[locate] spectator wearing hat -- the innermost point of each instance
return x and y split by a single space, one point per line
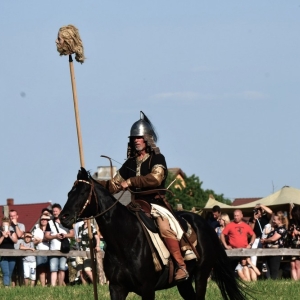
41 243
47 212
29 263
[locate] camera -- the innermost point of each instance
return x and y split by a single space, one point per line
293 227
255 210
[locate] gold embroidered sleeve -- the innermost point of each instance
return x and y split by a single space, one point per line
154 179
158 172
113 185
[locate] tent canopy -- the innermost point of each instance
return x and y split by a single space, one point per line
279 200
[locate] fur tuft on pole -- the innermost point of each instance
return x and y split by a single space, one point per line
69 42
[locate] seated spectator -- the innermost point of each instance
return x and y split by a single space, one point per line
84 263
223 221
41 243
8 238
276 239
29 264
246 270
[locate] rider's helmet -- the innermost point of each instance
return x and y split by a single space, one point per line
143 127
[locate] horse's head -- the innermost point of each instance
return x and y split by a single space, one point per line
79 198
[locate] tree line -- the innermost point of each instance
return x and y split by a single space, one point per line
190 193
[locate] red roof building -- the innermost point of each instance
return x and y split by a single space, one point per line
29 214
241 201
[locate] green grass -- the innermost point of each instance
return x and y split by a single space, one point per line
263 289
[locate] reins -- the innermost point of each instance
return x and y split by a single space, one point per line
93 193
88 201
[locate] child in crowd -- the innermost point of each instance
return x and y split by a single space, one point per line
29 263
246 270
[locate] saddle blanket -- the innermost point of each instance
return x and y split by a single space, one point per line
159 211
162 250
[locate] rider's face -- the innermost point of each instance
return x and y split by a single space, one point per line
139 143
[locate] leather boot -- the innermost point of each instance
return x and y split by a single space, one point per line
173 247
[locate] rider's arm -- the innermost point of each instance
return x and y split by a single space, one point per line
154 179
113 185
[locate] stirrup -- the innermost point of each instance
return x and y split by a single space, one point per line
183 278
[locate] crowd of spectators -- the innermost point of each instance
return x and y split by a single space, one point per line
264 229
46 235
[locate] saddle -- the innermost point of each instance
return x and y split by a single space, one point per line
142 210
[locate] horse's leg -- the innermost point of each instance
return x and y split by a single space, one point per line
186 290
201 275
148 291
149 295
117 292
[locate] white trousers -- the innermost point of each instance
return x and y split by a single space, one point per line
256 244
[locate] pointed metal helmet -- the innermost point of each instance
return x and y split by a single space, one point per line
143 127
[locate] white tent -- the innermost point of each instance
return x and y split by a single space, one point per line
279 200
285 196
212 202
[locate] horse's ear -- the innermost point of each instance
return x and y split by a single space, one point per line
78 174
82 174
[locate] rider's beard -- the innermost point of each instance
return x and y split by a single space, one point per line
139 148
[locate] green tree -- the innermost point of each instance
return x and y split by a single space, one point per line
190 195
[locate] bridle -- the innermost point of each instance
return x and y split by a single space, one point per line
89 199
91 193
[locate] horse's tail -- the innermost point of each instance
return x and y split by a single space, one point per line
223 274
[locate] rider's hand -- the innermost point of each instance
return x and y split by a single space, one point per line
124 185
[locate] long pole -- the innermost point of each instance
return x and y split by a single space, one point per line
75 100
80 146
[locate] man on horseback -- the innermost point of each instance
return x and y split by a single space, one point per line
144 171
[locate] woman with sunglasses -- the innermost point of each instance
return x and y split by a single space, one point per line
42 263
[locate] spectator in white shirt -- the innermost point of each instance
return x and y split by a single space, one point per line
41 243
55 232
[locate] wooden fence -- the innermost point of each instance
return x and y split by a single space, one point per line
241 252
72 253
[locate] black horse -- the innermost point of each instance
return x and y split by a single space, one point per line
128 261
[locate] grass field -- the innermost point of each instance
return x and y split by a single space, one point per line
266 290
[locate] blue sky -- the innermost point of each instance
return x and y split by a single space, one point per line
218 79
